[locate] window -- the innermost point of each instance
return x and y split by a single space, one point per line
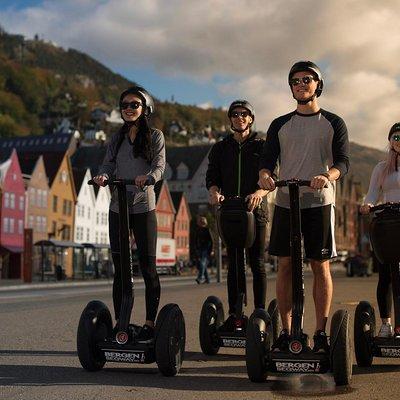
20 226
6 200
11 225
44 199
55 200
44 224
54 228
39 224
88 213
97 219
87 234
12 200
39 198
83 211
30 221
66 232
64 210
21 203
6 225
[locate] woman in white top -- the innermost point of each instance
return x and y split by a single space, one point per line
385 183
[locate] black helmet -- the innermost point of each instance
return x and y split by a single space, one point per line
241 103
393 129
308 66
148 103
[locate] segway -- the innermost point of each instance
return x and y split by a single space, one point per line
299 358
97 342
236 226
384 236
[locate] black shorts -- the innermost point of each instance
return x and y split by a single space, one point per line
317 226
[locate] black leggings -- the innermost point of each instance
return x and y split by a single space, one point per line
388 288
144 228
256 261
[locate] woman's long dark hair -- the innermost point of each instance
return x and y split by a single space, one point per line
142 143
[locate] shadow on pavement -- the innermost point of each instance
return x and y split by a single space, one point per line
38 353
375 369
34 375
197 356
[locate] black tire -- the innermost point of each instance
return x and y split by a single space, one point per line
94 326
170 338
364 333
341 352
258 345
273 312
211 318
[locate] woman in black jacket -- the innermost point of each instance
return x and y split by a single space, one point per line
233 171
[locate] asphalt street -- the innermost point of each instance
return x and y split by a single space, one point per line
38 357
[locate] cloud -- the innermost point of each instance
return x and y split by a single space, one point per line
250 43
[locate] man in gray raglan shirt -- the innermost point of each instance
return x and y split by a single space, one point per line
310 144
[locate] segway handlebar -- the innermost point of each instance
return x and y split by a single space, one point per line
119 182
299 182
386 206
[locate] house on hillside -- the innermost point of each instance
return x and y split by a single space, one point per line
181 225
12 215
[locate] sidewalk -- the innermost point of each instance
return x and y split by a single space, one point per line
17 284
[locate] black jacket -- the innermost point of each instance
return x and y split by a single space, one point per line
233 167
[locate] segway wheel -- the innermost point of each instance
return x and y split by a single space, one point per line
170 338
273 312
258 345
95 325
364 333
341 352
211 318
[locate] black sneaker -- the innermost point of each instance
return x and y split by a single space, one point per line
320 342
146 335
229 325
282 342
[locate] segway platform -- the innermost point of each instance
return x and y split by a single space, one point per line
305 362
386 347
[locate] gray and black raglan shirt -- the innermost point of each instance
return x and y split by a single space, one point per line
306 145
126 166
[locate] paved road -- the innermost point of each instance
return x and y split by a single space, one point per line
38 353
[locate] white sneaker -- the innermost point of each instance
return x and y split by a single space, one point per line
386 330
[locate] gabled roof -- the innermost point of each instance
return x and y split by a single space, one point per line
157 189
28 163
89 157
191 156
38 143
177 198
79 176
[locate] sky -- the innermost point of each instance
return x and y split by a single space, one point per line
211 52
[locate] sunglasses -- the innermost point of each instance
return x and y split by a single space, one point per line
237 114
134 105
396 138
305 79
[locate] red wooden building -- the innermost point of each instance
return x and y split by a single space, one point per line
12 216
165 210
181 225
